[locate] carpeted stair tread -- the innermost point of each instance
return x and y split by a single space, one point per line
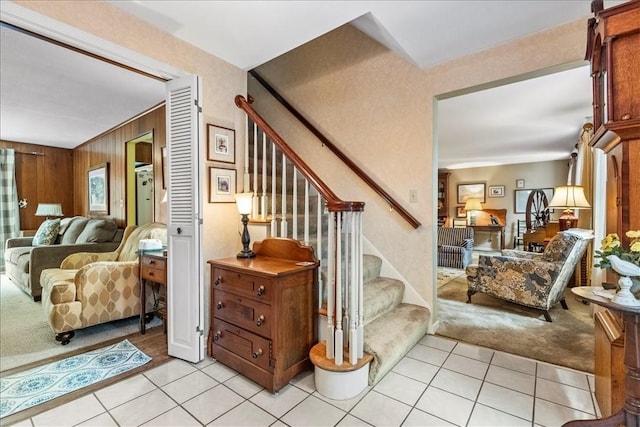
371 266
381 295
392 335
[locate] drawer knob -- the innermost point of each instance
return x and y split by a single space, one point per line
217 335
261 290
218 281
219 305
260 320
151 261
257 353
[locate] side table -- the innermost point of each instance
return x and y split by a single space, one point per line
153 268
629 415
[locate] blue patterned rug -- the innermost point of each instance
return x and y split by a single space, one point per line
38 385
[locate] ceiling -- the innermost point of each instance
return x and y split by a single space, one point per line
54 96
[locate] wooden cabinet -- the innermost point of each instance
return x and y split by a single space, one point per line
609 367
153 270
262 312
612 48
443 190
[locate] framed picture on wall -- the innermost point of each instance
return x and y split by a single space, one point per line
496 191
222 185
221 144
522 196
471 191
164 167
98 189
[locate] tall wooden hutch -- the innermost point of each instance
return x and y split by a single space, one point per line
613 48
443 196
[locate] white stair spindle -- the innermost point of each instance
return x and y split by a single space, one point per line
255 207
354 343
360 289
274 228
263 199
331 287
306 213
283 209
339 340
294 204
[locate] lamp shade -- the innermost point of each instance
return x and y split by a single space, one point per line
569 197
49 209
244 202
473 205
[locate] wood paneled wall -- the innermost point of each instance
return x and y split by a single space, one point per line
46 177
111 147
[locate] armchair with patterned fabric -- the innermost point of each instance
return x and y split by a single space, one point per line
93 288
536 280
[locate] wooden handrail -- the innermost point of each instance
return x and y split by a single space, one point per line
334 203
395 205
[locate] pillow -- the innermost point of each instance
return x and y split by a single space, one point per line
47 232
97 231
74 228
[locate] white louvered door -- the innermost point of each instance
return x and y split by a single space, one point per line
184 203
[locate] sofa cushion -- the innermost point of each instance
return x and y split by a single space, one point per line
47 232
97 231
73 230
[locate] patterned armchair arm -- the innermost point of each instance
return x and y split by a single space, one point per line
108 289
80 259
523 281
467 244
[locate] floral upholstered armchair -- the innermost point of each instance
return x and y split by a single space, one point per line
536 280
92 288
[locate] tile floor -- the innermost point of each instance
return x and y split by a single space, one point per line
441 382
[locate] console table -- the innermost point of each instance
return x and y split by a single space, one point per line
491 228
629 415
153 268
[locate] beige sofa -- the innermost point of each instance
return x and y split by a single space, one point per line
24 262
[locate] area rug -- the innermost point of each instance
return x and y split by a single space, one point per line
446 274
27 337
512 328
38 385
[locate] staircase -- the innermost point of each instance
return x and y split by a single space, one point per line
365 328
391 327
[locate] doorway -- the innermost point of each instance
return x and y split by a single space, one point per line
140 187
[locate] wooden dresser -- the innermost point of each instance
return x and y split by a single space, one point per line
262 312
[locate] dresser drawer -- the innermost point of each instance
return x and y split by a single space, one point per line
245 344
153 274
158 263
244 312
250 286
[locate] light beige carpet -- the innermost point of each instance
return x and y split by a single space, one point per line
26 337
501 325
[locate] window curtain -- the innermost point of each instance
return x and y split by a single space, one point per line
9 215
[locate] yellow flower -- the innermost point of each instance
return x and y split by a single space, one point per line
635 247
633 234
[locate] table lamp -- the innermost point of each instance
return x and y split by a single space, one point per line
244 203
471 206
568 197
49 209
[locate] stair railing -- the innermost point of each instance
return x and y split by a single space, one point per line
393 203
278 174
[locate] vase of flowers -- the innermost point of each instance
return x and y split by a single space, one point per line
611 245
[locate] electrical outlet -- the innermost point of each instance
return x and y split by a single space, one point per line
413 196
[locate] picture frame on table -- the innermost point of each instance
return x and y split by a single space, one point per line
522 196
496 191
221 144
98 189
461 212
472 191
222 185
